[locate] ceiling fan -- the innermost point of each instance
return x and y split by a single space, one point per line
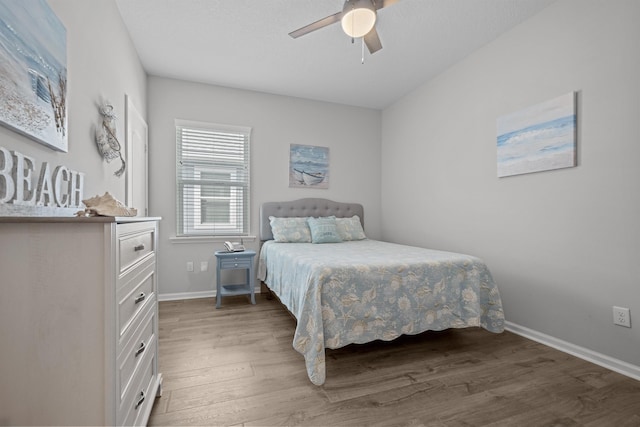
358 18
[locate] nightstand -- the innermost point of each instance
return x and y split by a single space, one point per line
235 261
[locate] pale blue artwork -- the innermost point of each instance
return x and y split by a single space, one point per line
33 72
538 138
308 166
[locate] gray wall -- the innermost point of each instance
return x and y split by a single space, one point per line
352 135
101 65
563 245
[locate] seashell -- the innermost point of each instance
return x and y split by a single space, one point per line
105 205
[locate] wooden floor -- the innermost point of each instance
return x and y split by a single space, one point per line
236 366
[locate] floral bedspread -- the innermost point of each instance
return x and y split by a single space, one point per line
361 291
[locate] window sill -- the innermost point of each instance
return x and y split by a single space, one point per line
210 239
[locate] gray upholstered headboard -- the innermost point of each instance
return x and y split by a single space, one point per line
305 207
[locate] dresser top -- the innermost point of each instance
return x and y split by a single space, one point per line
76 219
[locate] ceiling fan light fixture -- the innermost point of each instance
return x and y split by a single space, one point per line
358 17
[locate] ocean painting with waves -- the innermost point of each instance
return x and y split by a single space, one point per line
33 72
539 138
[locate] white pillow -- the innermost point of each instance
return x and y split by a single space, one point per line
350 228
290 230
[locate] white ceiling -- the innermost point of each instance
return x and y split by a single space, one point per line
245 44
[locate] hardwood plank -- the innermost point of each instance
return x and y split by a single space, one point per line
237 366
175 380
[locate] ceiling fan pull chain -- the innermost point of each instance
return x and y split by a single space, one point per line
362 49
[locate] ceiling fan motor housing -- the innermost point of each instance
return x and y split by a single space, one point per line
358 17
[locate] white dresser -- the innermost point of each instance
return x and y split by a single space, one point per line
78 321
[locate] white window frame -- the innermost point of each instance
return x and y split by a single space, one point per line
188 175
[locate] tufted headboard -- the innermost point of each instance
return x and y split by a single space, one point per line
305 207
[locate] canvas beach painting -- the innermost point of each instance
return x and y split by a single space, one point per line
33 72
308 166
539 138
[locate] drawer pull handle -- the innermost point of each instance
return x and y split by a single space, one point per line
139 247
139 402
140 298
140 349
236 264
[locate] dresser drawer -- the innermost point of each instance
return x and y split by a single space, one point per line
135 242
235 263
137 290
139 397
134 351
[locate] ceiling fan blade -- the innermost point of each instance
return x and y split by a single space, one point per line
372 41
379 4
331 19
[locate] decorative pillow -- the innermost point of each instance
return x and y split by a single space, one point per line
350 228
290 230
324 230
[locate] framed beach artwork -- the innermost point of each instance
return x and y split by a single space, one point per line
308 166
538 138
33 72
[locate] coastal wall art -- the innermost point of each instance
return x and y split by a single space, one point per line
33 72
538 138
308 166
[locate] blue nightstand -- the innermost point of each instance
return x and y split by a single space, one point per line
235 261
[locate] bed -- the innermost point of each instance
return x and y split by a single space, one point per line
354 290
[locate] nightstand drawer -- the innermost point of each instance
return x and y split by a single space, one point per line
235 263
135 241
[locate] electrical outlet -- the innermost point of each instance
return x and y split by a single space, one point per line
190 266
621 316
204 265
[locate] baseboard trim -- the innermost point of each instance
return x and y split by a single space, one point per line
600 359
192 295
186 295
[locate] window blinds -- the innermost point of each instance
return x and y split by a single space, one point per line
212 178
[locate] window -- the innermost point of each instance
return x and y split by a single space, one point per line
212 178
